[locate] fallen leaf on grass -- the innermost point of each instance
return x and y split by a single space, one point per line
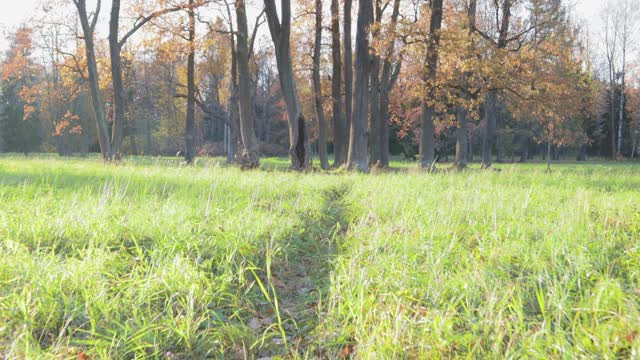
347 351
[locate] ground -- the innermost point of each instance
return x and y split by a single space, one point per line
150 258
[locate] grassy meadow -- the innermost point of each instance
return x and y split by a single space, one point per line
152 259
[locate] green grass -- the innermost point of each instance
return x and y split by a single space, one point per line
152 259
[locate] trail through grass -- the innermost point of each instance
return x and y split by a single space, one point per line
151 259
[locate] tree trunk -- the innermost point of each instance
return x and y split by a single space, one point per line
383 136
489 139
621 110
116 76
317 89
461 138
549 156
299 146
612 117
374 112
115 48
231 134
339 124
88 30
488 135
499 147
387 81
249 158
358 157
374 92
147 135
582 153
524 148
462 113
190 130
348 73
514 141
231 129
427 141
469 147
58 141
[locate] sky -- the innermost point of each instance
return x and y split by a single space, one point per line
13 13
16 12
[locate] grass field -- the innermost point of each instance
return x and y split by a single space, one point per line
153 259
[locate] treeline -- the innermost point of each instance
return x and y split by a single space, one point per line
438 80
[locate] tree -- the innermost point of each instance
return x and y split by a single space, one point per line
339 121
116 76
634 104
317 87
249 157
115 52
374 88
627 19
511 27
348 75
555 93
461 111
357 158
57 93
190 136
18 123
383 76
88 24
231 135
503 22
280 30
611 37
427 141
390 73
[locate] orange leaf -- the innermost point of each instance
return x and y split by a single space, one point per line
347 351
